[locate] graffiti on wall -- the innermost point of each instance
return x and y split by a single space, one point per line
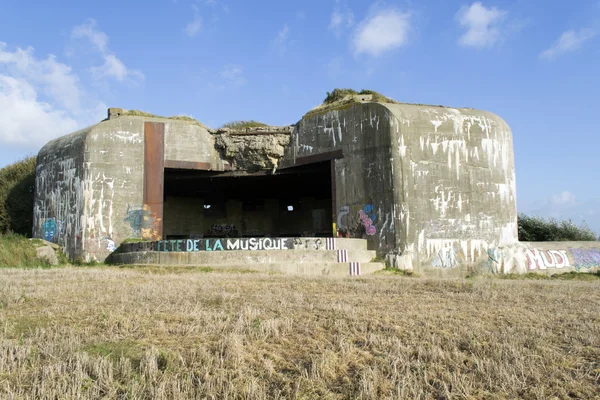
49 229
221 244
110 244
367 217
308 244
363 223
544 259
342 213
142 222
222 229
262 243
446 257
585 258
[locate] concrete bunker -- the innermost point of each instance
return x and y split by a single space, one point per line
427 187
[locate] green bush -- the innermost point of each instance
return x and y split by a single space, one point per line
17 185
538 229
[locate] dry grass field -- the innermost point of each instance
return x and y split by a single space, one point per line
82 333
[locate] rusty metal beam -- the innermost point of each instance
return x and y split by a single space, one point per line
196 165
315 158
333 200
154 167
202 166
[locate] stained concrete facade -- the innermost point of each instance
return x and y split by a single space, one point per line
431 188
436 185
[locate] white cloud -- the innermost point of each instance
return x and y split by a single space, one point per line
230 76
341 17
56 79
568 41
210 3
483 25
383 31
88 31
233 75
40 99
193 28
112 67
563 199
280 41
25 119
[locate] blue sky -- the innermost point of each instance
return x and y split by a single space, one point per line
533 62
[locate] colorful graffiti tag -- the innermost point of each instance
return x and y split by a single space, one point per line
585 258
110 244
221 244
222 229
367 217
356 224
343 211
315 244
142 222
544 259
49 229
446 257
262 243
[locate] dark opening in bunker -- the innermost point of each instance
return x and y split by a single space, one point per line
290 203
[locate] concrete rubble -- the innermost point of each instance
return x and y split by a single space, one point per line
253 149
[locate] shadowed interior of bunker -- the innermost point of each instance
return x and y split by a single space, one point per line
289 203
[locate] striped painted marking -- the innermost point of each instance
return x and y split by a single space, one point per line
330 244
354 269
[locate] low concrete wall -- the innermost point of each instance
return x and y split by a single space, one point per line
546 257
521 258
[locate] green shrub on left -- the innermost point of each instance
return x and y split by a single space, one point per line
17 185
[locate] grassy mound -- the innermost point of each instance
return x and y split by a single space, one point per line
18 251
240 125
139 113
340 99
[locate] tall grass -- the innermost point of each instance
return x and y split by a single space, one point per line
114 333
18 251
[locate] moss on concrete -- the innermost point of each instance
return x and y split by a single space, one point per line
341 99
139 113
240 125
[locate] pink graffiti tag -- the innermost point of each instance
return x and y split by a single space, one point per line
367 223
544 259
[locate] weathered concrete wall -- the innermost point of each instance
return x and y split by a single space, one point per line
59 192
364 203
191 142
454 185
544 257
114 182
90 184
428 186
